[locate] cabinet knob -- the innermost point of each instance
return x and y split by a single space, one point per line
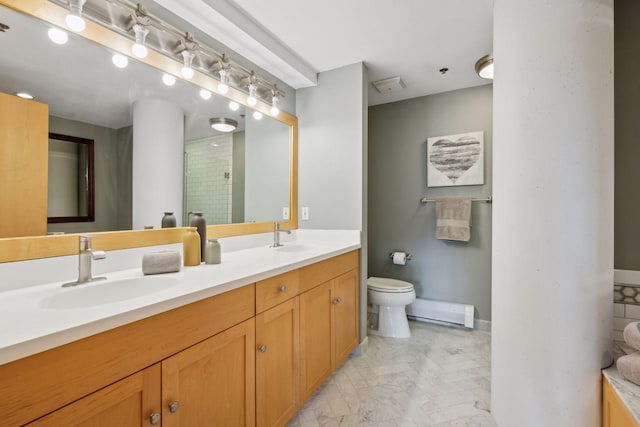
154 418
174 406
282 288
262 348
337 301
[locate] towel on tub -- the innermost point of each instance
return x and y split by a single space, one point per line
631 335
629 367
453 218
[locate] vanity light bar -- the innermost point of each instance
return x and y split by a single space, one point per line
123 16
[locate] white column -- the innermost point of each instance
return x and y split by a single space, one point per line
158 146
553 211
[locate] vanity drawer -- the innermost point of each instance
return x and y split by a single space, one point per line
274 290
320 272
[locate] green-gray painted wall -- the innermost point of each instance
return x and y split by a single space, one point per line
398 132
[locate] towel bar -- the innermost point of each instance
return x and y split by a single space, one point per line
489 199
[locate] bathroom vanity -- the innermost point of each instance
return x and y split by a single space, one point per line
620 400
247 350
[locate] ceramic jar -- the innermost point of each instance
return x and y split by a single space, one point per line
212 252
198 221
168 220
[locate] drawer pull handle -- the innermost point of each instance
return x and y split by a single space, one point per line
154 418
282 289
262 348
337 301
174 406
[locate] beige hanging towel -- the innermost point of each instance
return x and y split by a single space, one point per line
453 218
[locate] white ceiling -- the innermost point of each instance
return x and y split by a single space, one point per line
412 39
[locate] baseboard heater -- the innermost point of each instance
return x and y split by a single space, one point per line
441 311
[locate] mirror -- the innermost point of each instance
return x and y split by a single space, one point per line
90 98
70 194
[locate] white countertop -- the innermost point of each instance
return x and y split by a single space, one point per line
29 325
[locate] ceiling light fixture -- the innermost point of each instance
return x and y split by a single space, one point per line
139 49
222 124
168 79
120 61
57 35
484 67
223 86
74 18
234 106
187 59
24 95
205 94
257 115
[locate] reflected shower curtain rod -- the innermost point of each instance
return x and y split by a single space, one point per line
489 199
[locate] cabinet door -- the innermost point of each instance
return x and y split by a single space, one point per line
315 338
24 157
131 402
614 411
212 382
346 316
277 364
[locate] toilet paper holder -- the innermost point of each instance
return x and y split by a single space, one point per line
409 256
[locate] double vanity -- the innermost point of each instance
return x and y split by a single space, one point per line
241 343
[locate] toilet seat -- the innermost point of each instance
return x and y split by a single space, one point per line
382 284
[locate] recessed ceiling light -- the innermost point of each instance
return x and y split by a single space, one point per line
24 95
168 79
57 35
119 60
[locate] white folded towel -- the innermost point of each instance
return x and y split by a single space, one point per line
453 218
161 262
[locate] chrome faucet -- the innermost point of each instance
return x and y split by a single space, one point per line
276 235
85 255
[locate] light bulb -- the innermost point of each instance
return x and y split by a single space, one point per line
205 94
223 86
75 23
168 79
233 105
257 115
57 35
24 95
120 61
251 99
139 49
186 71
274 106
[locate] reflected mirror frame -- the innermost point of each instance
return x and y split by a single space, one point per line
90 217
25 248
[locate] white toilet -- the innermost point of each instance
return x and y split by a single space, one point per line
387 299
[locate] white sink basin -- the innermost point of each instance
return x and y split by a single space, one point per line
107 292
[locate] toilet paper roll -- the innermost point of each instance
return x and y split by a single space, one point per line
399 258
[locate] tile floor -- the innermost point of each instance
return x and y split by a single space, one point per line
438 377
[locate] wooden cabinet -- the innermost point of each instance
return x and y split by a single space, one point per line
328 328
24 148
277 364
614 411
247 357
212 382
131 402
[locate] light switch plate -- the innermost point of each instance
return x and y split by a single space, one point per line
305 213
285 213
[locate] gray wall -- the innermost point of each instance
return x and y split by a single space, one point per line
112 173
332 179
237 182
627 130
440 270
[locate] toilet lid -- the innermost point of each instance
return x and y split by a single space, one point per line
388 285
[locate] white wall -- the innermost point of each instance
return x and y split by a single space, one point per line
331 144
553 210
158 165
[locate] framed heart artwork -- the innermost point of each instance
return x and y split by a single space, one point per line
454 160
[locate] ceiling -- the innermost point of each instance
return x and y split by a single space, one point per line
295 39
